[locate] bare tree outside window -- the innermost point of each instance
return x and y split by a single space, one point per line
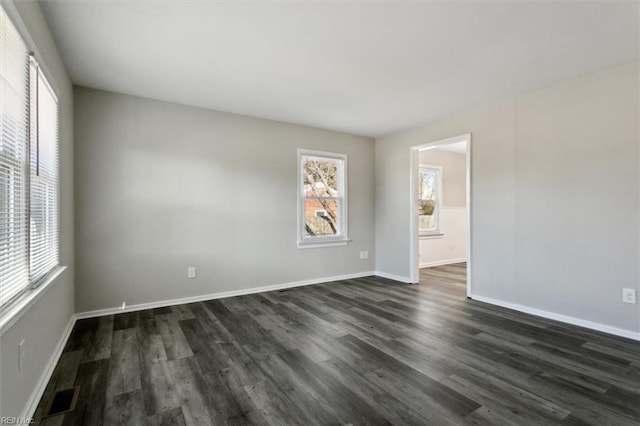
320 192
322 197
429 198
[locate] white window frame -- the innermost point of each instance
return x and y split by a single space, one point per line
341 238
437 230
18 305
51 247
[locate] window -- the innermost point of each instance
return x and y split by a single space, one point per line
43 186
28 168
322 201
429 199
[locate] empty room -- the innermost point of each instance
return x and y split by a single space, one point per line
319 212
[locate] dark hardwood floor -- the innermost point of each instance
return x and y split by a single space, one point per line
362 351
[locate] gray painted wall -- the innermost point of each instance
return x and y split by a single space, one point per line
555 189
43 324
161 186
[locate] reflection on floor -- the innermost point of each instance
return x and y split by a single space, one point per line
362 351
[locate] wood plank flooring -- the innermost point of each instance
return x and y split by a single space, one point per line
362 351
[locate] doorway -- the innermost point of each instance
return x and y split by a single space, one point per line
440 216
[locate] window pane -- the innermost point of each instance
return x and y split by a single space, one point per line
428 194
321 217
14 124
427 215
322 198
427 223
427 208
5 209
427 185
320 177
44 180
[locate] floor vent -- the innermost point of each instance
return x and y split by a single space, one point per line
62 402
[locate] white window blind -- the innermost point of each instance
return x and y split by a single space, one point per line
14 129
43 186
28 168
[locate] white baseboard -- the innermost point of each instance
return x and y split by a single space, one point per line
443 262
38 391
219 295
36 395
562 318
393 277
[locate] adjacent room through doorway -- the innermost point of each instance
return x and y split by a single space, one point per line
441 210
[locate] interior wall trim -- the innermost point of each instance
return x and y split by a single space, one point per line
393 277
218 295
629 334
443 262
32 403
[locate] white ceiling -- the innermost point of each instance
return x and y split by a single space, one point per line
364 68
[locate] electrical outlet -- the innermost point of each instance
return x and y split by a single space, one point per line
364 255
191 272
20 355
628 295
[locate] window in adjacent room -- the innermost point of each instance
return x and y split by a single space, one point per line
429 199
28 169
322 198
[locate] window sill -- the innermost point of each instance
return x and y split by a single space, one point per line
18 308
431 235
326 243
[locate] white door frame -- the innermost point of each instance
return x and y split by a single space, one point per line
413 217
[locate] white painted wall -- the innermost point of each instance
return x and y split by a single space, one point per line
547 166
451 247
42 326
454 174
161 186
